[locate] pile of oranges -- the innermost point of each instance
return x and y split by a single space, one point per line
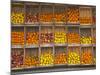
17 38
46 17
73 38
87 57
31 61
32 38
60 58
60 17
85 20
73 15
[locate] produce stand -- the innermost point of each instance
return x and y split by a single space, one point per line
48 37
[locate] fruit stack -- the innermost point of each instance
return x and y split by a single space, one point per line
60 17
60 38
86 40
46 58
46 37
31 61
32 38
86 37
17 38
17 59
60 58
31 18
73 38
73 56
46 17
85 16
73 15
86 56
17 16
85 21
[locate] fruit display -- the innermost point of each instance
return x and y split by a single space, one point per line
86 40
73 56
60 58
86 36
46 58
59 14
17 38
73 15
85 16
17 18
17 15
30 61
31 57
73 38
60 17
60 37
46 37
46 17
86 56
17 58
46 14
31 16
32 38
51 36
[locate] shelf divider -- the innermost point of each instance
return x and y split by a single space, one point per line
39 32
24 34
92 44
